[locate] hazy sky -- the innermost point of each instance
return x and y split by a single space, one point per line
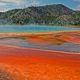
12 4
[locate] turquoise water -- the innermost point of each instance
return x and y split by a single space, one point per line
33 28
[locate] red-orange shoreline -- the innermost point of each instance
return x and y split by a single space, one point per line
19 51
39 64
60 53
17 47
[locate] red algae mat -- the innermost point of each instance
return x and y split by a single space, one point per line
31 64
17 63
56 37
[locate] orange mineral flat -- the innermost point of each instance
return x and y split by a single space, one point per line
33 64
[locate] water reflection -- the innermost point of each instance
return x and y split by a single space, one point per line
65 46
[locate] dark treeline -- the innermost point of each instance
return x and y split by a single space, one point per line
56 14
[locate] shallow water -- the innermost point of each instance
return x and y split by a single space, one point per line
33 28
68 47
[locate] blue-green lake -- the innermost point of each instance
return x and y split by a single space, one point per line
33 28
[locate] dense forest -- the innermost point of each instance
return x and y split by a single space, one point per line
56 14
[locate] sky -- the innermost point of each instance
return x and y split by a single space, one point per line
15 4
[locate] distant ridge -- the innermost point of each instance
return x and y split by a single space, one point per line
56 14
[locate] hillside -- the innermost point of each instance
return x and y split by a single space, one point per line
56 14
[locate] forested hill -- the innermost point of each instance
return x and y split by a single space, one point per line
56 14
